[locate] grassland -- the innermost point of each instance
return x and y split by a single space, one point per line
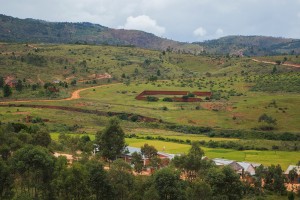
235 105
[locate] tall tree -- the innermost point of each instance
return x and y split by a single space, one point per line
34 167
19 86
199 190
274 179
168 184
1 82
6 181
192 163
7 91
225 183
122 180
137 161
98 180
148 151
111 140
293 174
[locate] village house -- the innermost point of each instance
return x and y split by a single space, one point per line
241 168
297 178
162 155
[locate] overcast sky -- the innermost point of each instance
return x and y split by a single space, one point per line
182 20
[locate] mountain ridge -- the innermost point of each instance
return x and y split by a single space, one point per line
40 31
31 30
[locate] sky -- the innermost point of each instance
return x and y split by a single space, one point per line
181 20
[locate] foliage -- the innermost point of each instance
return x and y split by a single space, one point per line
7 91
111 140
225 183
152 98
168 184
137 161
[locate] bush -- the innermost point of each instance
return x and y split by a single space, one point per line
168 99
152 98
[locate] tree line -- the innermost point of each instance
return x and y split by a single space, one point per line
29 170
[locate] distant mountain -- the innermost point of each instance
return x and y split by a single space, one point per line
251 45
36 31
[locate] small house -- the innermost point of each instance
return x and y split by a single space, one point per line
297 178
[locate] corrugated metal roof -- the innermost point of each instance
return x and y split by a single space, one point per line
221 161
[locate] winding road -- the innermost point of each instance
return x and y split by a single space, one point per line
274 63
75 95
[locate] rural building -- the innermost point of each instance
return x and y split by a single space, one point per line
240 168
130 150
286 173
247 168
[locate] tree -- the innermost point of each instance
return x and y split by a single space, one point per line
73 82
158 72
192 163
168 184
41 138
111 140
148 151
75 185
121 178
34 167
292 174
1 82
19 86
225 183
98 180
274 179
137 161
6 181
199 190
7 91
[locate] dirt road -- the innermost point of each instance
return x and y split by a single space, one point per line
75 95
274 63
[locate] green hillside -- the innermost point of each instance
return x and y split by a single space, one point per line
37 31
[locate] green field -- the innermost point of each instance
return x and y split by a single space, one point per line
284 158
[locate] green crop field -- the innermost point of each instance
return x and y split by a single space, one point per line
284 158
264 157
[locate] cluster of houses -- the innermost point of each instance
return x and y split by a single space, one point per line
244 169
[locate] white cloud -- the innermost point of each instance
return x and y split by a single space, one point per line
298 14
144 23
200 32
219 32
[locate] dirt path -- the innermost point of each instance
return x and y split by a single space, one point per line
75 95
274 63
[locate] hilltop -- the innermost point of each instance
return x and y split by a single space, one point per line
39 31
251 46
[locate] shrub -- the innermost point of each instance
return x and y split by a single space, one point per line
152 98
168 99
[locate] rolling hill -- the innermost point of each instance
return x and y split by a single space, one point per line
38 31
251 45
